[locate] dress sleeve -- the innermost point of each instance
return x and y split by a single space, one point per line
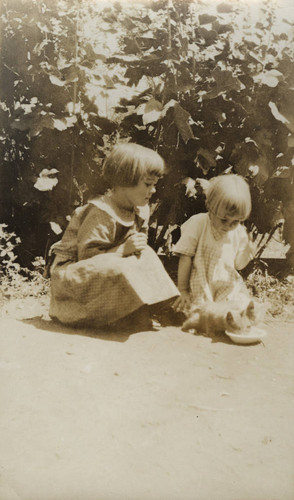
190 234
96 234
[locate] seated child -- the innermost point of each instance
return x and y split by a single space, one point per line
103 269
213 246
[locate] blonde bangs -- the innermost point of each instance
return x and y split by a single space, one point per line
229 195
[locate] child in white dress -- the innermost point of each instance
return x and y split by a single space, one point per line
213 246
103 269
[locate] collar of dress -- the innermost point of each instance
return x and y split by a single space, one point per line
124 217
218 235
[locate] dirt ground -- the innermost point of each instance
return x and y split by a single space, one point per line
161 415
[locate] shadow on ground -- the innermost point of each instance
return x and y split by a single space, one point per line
56 327
110 335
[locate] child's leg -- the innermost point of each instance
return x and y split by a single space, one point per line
107 287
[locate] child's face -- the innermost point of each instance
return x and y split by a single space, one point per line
226 223
140 194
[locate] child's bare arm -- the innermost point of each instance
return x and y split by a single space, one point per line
246 254
184 271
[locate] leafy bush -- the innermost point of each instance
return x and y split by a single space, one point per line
201 87
52 138
275 293
218 99
17 282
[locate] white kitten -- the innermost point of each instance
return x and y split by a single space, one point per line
213 317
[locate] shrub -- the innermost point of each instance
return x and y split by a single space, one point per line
275 293
16 282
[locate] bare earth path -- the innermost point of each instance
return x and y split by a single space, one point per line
151 416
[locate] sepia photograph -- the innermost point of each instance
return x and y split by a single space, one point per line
147 249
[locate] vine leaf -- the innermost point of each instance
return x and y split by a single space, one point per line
55 228
128 23
253 170
70 74
208 35
191 191
134 74
282 172
131 46
270 78
205 160
224 82
33 123
152 111
108 82
284 109
277 114
221 28
36 123
47 180
181 119
56 81
224 8
64 123
206 18
246 156
106 125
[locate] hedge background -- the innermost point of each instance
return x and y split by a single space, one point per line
209 85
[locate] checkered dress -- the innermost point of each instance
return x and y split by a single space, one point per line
91 281
213 276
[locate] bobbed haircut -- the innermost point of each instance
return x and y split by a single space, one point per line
229 195
128 163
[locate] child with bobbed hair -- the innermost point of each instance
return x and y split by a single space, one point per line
214 246
103 269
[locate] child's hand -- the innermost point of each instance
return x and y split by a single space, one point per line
252 246
246 254
135 244
183 303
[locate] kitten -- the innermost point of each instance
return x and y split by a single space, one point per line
214 317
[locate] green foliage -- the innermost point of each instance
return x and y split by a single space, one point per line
8 243
17 282
198 84
216 98
275 293
52 137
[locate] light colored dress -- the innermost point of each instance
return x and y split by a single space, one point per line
214 276
91 281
